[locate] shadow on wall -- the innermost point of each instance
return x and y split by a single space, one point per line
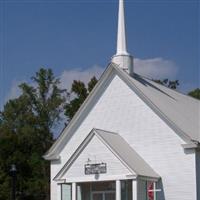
56 162
189 151
160 195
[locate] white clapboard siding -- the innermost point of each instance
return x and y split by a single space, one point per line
119 109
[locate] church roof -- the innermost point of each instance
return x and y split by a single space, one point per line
179 111
127 155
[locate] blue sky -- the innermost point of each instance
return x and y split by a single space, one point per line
76 38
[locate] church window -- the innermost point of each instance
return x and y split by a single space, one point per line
126 189
66 192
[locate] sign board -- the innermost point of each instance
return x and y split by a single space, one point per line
99 168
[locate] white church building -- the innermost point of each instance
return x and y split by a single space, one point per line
132 139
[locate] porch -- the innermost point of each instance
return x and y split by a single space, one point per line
106 167
107 190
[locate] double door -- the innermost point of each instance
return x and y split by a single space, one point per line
103 195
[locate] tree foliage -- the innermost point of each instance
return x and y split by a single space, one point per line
195 93
26 134
168 83
174 85
79 92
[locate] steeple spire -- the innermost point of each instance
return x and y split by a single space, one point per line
122 58
121 35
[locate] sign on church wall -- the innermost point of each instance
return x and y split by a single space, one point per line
98 168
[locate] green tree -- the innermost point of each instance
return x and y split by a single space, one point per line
195 93
168 83
26 125
79 92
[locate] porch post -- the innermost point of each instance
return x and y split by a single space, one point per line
118 190
59 191
134 189
73 191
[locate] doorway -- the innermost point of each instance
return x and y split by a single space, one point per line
103 195
96 190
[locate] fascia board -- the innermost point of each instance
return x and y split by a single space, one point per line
147 178
51 157
107 178
191 145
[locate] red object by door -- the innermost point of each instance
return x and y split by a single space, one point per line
150 192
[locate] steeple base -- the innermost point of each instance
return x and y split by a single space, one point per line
125 62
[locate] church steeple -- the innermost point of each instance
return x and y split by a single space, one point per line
121 34
122 57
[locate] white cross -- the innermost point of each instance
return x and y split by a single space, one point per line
155 190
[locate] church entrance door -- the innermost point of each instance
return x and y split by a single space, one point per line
103 195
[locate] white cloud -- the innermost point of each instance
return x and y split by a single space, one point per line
68 76
13 93
156 68
14 90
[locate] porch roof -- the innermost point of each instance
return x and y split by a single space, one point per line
127 154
